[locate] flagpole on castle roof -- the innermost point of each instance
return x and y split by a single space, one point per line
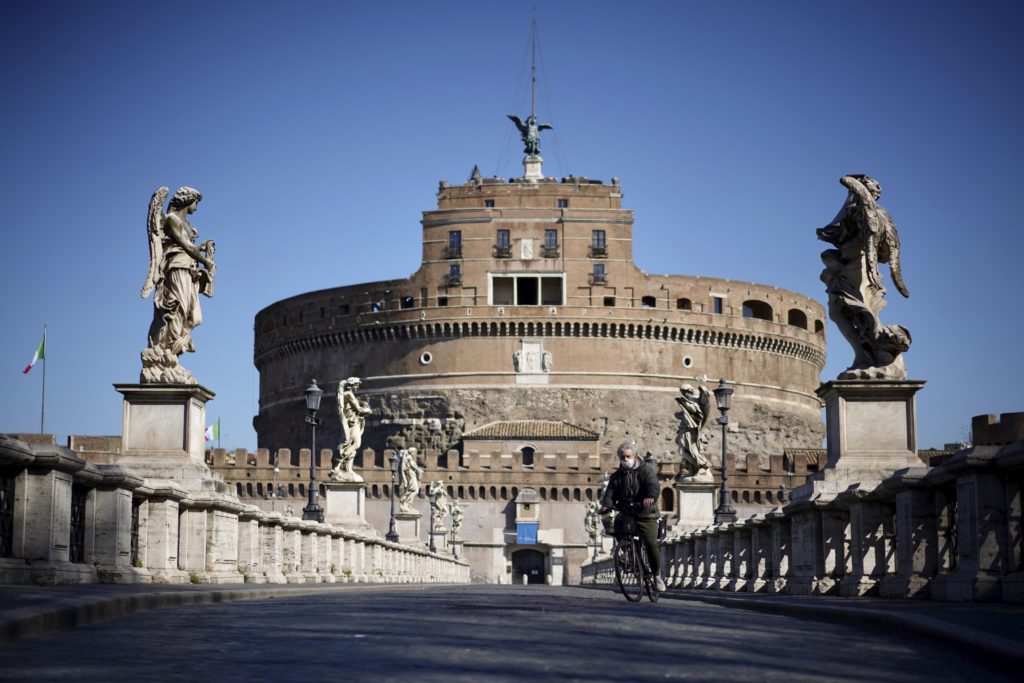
42 403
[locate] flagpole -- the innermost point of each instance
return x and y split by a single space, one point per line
42 403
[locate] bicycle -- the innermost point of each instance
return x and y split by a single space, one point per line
632 567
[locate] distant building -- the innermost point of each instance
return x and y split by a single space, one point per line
527 311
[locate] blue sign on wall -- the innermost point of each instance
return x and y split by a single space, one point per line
526 533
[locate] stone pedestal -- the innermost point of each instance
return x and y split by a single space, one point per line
696 503
407 524
532 167
345 506
871 430
456 548
440 539
162 434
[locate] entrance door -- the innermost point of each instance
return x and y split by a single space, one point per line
530 563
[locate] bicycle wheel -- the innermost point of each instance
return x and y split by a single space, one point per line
627 571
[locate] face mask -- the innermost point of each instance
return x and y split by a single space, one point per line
627 463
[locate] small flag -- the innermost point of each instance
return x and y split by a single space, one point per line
213 431
40 354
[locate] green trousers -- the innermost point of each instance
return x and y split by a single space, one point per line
649 532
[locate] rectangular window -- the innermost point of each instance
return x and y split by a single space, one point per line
442 301
563 203
503 239
551 291
609 301
718 307
597 239
599 270
489 203
526 291
455 272
503 291
454 239
551 239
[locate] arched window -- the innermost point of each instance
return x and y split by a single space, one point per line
528 452
819 327
374 491
746 496
259 489
757 496
590 494
735 496
494 493
462 492
648 302
797 318
238 489
543 492
291 489
753 308
503 493
483 493
576 495
684 304
302 489
451 491
768 496
515 492
248 489
668 500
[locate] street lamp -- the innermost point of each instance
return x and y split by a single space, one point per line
725 512
313 510
451 513
433 506
392 534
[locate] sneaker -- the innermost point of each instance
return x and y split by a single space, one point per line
660 585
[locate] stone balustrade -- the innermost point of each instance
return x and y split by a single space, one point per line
953 532
65 520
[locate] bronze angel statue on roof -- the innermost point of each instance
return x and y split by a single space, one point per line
530 133
864 236
179 271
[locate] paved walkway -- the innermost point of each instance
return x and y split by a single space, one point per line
493 633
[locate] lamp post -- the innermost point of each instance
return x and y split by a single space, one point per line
725 512
392 534
433 506
313 510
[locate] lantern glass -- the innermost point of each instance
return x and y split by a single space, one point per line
723 396
313 394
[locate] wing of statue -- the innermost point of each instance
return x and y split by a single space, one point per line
519 124
873 226
154 224
889 252
545 126
704 401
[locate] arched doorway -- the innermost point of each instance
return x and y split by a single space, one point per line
530 563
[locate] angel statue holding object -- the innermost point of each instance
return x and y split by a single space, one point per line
410 472
179 271
353 414
693 415
530 133
864 236
438 506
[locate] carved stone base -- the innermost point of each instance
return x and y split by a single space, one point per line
407 524
440 539
164 421
696 503
345 506
532 167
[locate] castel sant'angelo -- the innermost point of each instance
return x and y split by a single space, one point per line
528 306
524 349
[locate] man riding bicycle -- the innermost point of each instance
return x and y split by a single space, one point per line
636 482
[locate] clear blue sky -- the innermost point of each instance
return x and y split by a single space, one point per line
317 132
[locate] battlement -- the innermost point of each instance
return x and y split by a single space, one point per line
989 430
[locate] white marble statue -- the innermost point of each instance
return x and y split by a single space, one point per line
864 235
410 473
455 510
438 506
179 271
694 413
352 413
590 521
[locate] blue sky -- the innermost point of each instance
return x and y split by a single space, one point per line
317 132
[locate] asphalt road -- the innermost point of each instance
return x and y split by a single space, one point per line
491 633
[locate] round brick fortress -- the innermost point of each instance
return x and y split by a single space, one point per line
527 306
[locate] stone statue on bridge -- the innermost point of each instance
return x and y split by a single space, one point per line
438 506
694 413
864 235
179 271
455 510
352 413
410 473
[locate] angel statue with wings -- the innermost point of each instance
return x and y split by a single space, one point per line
530 133
179 271
410 472
693 415
864 236
352 413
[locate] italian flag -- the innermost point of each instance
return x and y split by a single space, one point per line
39 355
213 431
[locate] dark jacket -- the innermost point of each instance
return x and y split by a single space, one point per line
633 485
